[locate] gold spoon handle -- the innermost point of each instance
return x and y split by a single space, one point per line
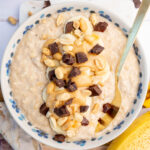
135 28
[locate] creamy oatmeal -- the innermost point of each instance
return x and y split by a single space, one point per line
63 75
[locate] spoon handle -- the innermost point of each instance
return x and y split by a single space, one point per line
135 28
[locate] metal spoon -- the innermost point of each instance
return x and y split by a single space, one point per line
135 28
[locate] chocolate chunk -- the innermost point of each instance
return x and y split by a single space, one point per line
74 72
51 75
83 108
62 111
69 27
95 90
110 109
101 121
59 137
53 48
81 57
44 109
68 102
71 86
59 82
84 122
68 59
137 3
97 49
101 26
47 3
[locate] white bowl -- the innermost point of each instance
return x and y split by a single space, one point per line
22 120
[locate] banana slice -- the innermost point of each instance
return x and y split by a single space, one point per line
136 137
44 95
47 71
89 25
54 126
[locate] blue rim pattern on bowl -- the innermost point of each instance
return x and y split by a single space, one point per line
21 117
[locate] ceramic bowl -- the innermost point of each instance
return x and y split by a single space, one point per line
21 118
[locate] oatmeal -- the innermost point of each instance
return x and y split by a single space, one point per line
63 76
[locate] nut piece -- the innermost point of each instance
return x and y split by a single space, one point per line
12 20
95 108
59 73
83 25
29 13
67 39
61 121
89 38
67 48
46 51
60 19
93 19
76 24
78 42
51 63
100 63
43 58
78 33
50 88
57 56
63 96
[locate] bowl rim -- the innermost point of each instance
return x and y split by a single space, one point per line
48 9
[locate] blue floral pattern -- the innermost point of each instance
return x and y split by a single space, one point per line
21 117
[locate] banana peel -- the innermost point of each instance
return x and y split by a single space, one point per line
136 137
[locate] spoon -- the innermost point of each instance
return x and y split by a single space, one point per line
135 28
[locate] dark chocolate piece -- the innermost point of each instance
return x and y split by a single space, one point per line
95 90
68 102
69 27
71 86
44 109
83 108
84 122
59 82
62 111
51 75
101 26
68 59
97 49
74 72
47 3
53 48
137 3
81 57
59 137
110 109
101 121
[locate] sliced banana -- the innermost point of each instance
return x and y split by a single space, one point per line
54 126
47 71
44 95
89 25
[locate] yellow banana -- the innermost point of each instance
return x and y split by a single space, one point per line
136 137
